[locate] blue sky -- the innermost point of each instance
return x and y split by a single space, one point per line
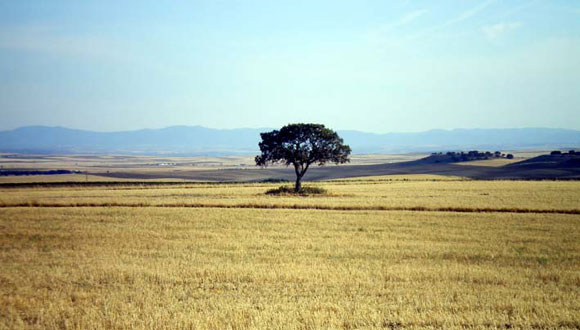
379 66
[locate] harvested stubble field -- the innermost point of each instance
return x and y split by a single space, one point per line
228 256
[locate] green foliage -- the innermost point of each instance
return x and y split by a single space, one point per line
304 191
302 145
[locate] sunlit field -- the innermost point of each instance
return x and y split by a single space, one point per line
300 165
415 192
381 252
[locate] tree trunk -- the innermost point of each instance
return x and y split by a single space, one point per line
298 184
298 169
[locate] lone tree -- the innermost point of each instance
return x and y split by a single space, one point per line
302 145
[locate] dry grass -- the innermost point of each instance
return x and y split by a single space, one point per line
236 268
119 268
398 194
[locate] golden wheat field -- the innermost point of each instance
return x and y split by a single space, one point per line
382 252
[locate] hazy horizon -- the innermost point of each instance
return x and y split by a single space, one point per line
369 66
269 128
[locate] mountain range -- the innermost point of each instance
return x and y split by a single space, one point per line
198 140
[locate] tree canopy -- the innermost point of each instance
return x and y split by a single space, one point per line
302 145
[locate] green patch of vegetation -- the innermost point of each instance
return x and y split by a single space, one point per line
542 260
273 180
304 191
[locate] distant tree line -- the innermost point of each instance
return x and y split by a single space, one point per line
560 153
462 156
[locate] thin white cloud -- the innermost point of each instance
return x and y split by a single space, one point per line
460 18
471 12
404 20
495 31
518 9
410 17
379 33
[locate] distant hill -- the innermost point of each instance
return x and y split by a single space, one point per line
197 140
564 160
186 140
463 139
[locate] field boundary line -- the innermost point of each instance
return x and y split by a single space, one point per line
294 207
339 181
